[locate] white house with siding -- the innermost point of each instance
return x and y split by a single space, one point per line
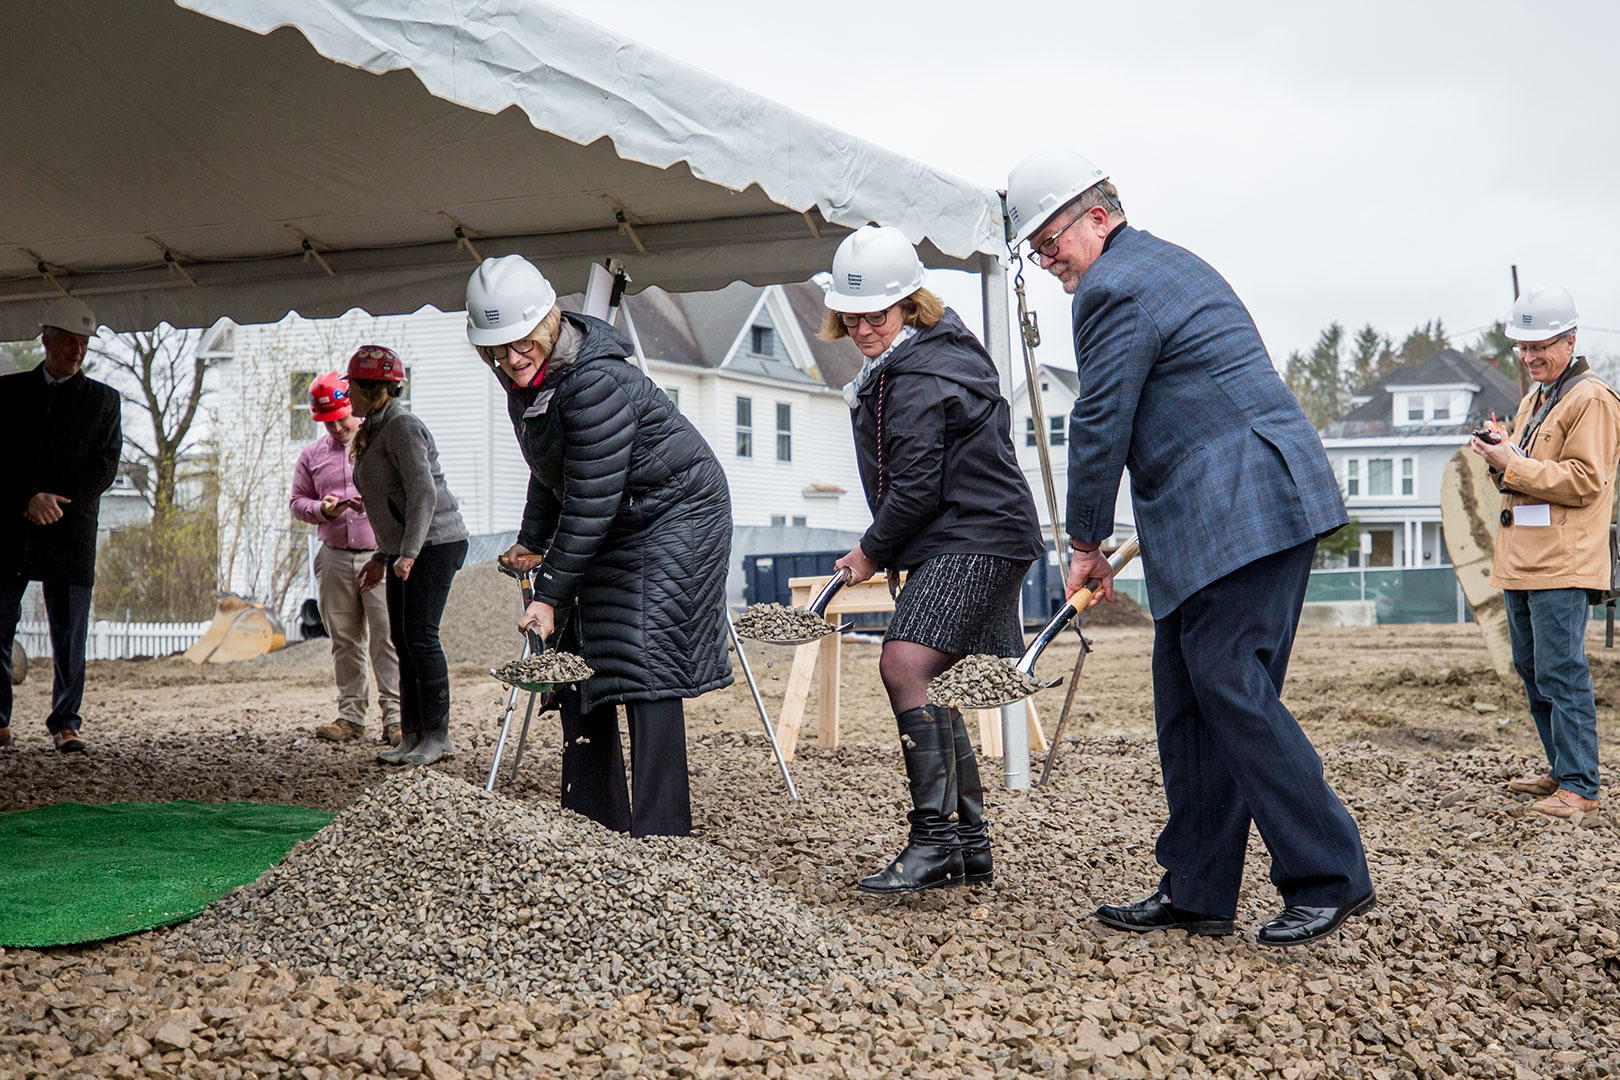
743 364
1059 386
1390 450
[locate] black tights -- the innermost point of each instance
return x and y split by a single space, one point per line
907 668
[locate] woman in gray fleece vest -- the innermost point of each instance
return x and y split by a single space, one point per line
421 543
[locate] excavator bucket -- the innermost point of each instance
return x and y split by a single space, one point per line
241 630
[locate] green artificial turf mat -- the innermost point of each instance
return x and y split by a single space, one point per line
72 873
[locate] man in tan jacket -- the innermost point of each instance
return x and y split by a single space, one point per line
1557 474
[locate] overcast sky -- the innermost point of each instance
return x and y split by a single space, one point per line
1380 162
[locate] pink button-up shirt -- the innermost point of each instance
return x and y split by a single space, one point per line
324 469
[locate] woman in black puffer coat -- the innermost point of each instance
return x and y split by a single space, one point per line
629 519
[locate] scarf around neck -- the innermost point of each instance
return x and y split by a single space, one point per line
852 389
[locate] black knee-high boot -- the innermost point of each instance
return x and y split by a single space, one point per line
970 824
933 855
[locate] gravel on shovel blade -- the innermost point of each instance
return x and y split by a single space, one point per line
429 882
774 622
549 667
981 681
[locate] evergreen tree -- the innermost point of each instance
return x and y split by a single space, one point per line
1370 357
1317 379
1496 346
1423 342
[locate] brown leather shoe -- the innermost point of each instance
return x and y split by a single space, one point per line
1534 785
1564 803
68 741
340 731
390 734
5 737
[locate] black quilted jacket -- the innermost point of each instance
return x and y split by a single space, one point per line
632 514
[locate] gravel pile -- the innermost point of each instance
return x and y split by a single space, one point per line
552 666
429 882
775 622
981 681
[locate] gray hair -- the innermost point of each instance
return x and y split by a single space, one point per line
1103 194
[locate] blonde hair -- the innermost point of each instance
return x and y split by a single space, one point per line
377 395
921 309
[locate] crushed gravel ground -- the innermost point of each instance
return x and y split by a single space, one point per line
1494 950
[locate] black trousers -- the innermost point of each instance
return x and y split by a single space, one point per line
67 607
658 799
415 607
1231 752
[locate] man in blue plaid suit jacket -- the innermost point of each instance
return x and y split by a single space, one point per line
1231 489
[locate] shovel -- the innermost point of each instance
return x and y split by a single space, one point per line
1073 606
532 645
818 606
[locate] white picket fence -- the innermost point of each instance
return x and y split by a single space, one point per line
113 640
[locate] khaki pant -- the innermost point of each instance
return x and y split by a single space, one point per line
357 623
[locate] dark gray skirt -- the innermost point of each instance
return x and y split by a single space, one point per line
962 604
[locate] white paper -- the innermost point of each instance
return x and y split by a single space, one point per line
598 291
1532 514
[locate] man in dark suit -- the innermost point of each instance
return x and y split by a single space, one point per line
1231 490
60 437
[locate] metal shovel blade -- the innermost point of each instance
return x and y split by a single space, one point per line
1047 685
831 629
531 687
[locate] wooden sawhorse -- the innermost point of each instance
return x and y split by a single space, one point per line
869 595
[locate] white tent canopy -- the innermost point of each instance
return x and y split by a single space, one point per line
243 158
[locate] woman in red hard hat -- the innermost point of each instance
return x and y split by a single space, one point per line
324 495
421 543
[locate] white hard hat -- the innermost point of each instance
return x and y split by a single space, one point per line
1539 314
506 299
70 314
874 268
1045 183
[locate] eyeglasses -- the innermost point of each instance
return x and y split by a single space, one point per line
874 319
498 352
1538 348
1047 249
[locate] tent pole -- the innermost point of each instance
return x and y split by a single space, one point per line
998 341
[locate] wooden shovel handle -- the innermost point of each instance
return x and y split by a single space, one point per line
1125 553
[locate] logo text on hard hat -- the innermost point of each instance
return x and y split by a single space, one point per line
854 280
1525 320
492 315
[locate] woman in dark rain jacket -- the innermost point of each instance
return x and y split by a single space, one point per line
951 507
629 521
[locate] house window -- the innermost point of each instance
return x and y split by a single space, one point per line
1352 477
1440 407
1407 479
778 519
301 425
1029 431
1414 407
745 427
800 520
784 432
1046 386
1380 476
1059 430
764 341
674 395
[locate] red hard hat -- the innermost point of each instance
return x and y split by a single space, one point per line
329 398
376 362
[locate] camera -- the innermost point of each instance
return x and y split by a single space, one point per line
1486 435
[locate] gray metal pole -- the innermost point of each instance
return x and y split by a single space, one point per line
998 342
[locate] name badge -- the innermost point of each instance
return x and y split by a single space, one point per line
1530 514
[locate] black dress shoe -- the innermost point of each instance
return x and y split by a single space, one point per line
1157 913
1300 923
